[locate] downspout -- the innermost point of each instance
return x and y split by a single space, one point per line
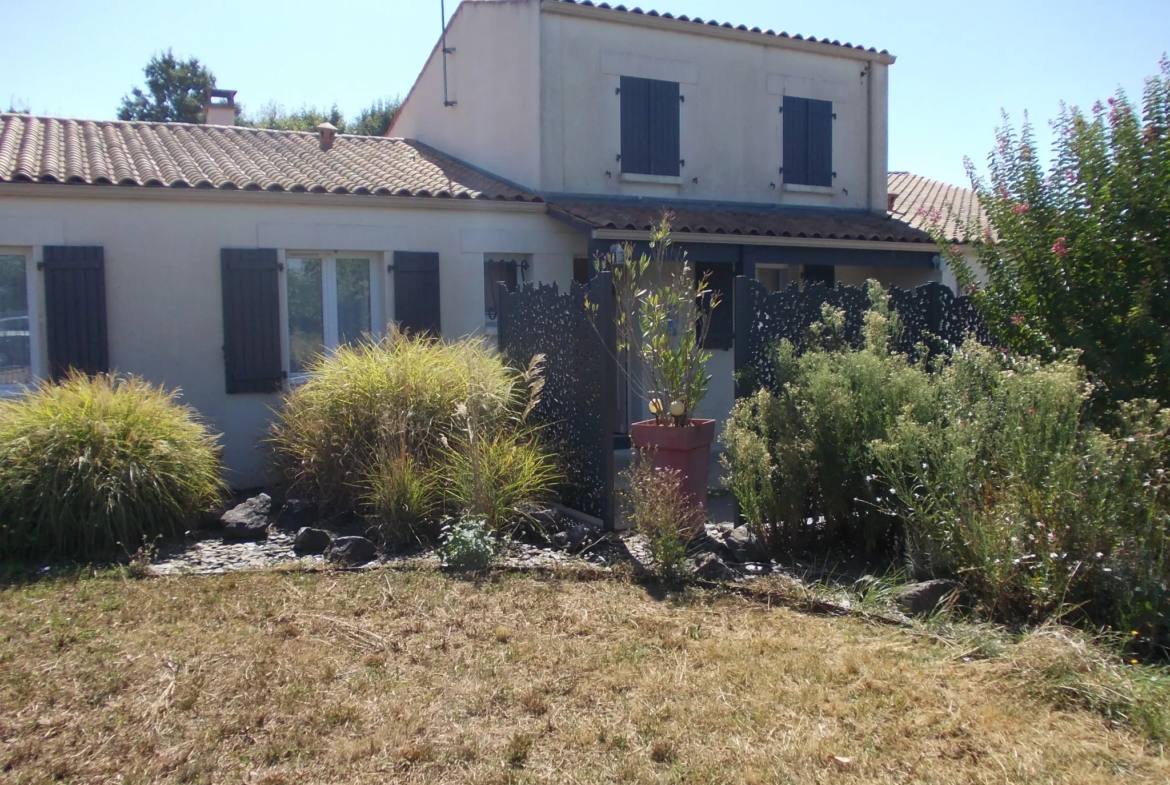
443 11
867 75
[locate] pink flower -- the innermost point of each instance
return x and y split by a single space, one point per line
1017 320
970 288
955 250
1020 209
1060 248
1002 191
1145 282
1110 101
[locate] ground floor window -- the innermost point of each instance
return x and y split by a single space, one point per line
331 302
15 324
776 278
511 270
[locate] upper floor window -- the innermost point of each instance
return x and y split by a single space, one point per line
808 141
650 127
15 335
330 303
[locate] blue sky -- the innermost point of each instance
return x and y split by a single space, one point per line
958 63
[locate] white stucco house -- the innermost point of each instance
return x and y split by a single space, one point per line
217 259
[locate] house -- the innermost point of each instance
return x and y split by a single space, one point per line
538 134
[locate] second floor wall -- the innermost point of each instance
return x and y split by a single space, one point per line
569 99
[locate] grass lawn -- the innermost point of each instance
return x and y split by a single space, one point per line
417 677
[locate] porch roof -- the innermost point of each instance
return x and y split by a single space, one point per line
698 222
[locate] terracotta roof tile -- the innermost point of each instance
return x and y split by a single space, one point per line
922 201
713 23
178 155
747 222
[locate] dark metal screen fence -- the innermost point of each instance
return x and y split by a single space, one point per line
578 405
931 315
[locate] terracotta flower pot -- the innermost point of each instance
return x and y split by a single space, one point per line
686 450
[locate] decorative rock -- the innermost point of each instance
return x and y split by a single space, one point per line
710 567
923 598
743 544
247 521
312 541
560 540
352 551
296 514
578 536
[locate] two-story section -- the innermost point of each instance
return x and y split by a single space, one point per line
769 149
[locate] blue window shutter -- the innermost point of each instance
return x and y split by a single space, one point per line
796 140
75 309
664 128
416 293
251 320
820 143
635 94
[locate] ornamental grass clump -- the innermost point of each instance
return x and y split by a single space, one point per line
94 466
407 430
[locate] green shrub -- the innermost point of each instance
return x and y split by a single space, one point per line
661 511
1012 488
92 464
406 429
468 544
804 451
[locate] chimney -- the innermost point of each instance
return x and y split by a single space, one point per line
326 133
891 199
219 107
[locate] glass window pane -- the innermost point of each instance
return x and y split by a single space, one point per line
306 326
353 300
15 358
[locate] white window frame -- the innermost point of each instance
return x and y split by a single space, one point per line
524 275
329 299
32 260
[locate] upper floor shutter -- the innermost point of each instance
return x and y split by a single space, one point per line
808 141
650 126
416 292
75 309
251 320
664 128
635 120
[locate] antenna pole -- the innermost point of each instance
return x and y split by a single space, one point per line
443 11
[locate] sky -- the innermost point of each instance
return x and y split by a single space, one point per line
959 63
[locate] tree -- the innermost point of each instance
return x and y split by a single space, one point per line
1077 259
177 90
374 120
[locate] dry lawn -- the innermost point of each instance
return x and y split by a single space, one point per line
416 677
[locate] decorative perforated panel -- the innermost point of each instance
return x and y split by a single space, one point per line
578 405
930 315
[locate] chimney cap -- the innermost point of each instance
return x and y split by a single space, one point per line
228 95
326 133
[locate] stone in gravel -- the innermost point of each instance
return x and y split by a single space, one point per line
312 541
581 535
710 567
560 540
296 514
743 544
247 521
352 551
923 598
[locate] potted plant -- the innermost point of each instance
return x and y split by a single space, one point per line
663 317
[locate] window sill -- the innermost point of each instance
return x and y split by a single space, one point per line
809 189
656 179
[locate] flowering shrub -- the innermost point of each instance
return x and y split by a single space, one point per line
1075 258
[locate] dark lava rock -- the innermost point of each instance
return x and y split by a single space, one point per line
923 598
312 541
742 544
296 514
247 521
352 551
560 540
710 567
582 535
